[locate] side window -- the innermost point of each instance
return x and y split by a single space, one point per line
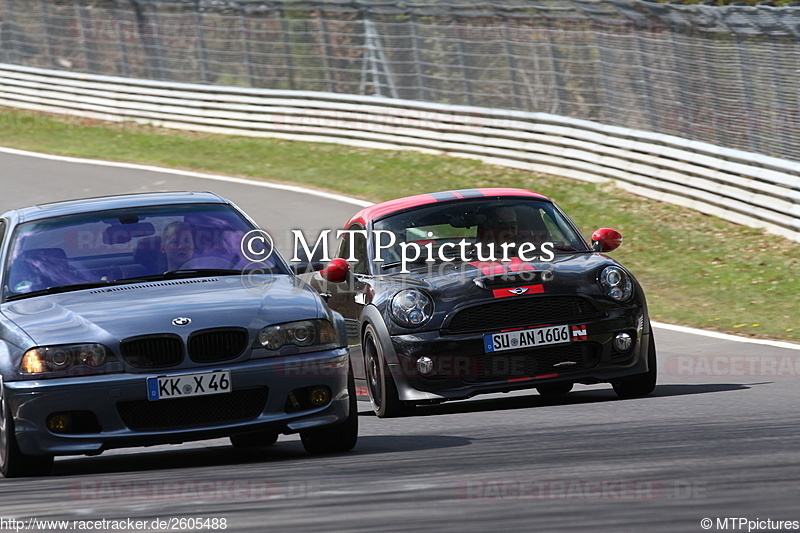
2 231
359 250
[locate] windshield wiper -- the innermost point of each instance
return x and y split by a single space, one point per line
398 263
568 248
181 273
60 288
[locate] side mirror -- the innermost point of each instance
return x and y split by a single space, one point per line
336 271
606 240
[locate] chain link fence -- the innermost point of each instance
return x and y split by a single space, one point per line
726 75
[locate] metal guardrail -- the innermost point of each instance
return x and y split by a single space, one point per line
746 188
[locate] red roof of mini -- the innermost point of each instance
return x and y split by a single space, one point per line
400 204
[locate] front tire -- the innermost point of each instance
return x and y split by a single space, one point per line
643 384
337 439
381 386
14 463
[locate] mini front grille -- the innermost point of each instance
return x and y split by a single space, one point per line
221 344
517 312
559 359
152 351
176 413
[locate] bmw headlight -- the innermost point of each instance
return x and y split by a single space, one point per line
69 360
616 283
411 308
306 335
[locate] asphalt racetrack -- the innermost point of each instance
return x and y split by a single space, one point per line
719 439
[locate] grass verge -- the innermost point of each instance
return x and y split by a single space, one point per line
697 270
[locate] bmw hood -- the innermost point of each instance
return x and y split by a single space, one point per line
109 314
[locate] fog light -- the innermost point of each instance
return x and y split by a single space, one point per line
425 365
319 396
59 422
623 342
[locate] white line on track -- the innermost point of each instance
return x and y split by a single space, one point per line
726 337
201 175
347 200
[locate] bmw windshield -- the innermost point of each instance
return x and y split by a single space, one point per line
125 245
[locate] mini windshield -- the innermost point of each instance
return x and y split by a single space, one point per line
475 230
126 244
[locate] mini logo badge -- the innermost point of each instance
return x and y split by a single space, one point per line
181 321
565 363
518 290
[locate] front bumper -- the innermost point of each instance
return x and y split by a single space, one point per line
260 380
462 368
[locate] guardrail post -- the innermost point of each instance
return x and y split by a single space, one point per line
557 68
149 43
642 67
122 64
327 53
682 102
287 48
747 94
419 68
248 53
47 39
511 60
202 52
86 37
464 64
7 50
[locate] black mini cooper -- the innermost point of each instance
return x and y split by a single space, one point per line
452 294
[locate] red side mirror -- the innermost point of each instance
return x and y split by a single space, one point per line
336 270
606 240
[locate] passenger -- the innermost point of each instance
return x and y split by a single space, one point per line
222 251
177 243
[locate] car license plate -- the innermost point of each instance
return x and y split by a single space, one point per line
526 338
183 385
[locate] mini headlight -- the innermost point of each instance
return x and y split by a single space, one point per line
616 283
55 359
411 308
318 334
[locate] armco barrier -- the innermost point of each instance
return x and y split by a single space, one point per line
746 188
